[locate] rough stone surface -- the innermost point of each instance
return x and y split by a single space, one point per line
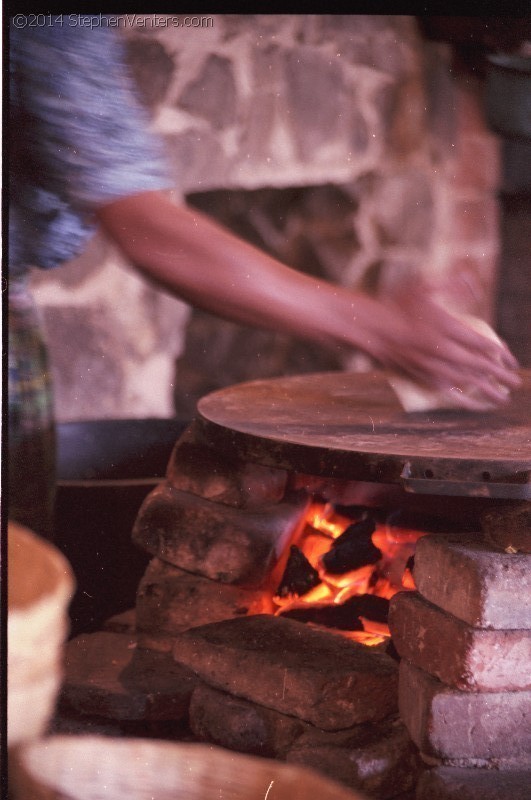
315 91
447 723
247 120
314 675
509 527
219 542
88 333
152 69
121 623
78 725
213 94
378 759
450 783
467 658
197 157
71 723
505 763
240 725
170 600
469 579
196 468
396 223
107 676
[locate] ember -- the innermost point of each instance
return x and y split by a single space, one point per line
299 576
353 549
342 573
346 616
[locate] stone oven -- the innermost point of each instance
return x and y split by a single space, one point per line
278 537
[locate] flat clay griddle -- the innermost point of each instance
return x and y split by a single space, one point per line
351 426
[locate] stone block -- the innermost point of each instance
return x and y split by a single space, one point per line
509 527
505 763
80 725
225 544
478 165
121 623
403 209
106 676
198 159
317 676
376 758
71 723
476 220
77 336
446 723
203 470
467 658
212 95
151 67
315 90
170 600
238 724
476 583
258 135
451 783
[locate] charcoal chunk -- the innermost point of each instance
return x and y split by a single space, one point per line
371 606
353 549
342 617
299 576
345 617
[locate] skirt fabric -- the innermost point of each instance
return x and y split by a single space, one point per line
31 429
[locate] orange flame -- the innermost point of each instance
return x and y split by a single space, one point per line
388 576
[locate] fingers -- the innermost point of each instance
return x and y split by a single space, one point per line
426 343
481 342
453 368
478 365
469 352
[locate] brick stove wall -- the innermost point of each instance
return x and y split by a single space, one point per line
253 102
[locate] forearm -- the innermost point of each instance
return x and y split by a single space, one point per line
210 268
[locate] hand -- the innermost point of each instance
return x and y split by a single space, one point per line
418 338
207 266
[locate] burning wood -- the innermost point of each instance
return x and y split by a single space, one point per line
299 576
343 618
353 549
351 600
346 616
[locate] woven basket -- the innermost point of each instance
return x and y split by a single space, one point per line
40 586
100 768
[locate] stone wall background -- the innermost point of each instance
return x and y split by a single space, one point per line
399 174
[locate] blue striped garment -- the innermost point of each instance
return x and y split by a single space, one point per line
79 138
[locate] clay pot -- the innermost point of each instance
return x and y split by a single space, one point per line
40 585
91 767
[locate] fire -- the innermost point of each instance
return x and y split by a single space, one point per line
329 591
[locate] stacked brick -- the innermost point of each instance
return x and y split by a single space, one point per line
465 681
193 663
216 527
219 529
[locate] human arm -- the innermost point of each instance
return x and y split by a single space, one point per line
204 264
